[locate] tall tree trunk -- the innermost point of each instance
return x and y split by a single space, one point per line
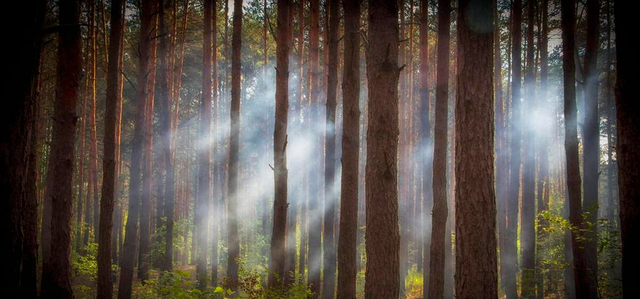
105 278
628 150
305 186
216 220
528 229
582 282
543 148
515 129
347 239
147 169
204 153
278 250
56 273
328 240
17 145
135 171
439 222
426 142
234 139
315 229
475 217
383 233
92 185
164 73
591 140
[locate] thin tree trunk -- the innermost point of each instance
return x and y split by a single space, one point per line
164 71
347 240
582 283
511 233
105 278
439 215
216 220
425 132
56 273
591 141
528 229
628 151
315 229
234 139
383 234
279 234
305 187
204 153
328 240
135 171
147 169
475 216
543 148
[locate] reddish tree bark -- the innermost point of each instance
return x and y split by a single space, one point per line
475 215
279 234
105 278
147 48
234 139
383 233
328 239
440 211
347 240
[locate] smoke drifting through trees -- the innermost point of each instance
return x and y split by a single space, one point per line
237 155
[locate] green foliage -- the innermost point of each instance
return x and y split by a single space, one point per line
413 283
252 286
609 260
174 285
87 264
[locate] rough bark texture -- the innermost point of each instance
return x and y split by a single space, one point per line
328 239
234 140
347 239
438 227
315 229
580 271
204 154
279 234
511 231
475 217
383 233
18 208
137 144
105 278
628 150
56 273
591 139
